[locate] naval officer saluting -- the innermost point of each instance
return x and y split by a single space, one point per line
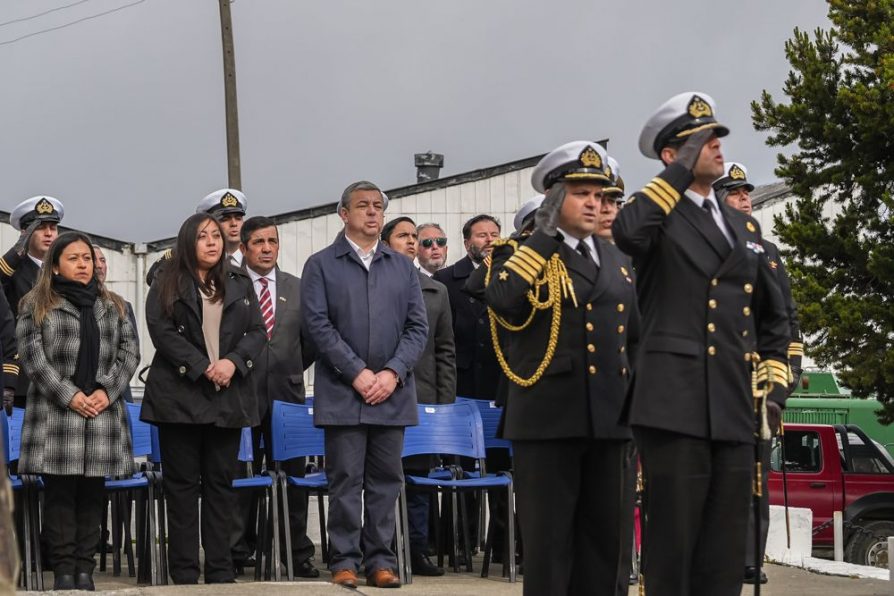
706 293
569 368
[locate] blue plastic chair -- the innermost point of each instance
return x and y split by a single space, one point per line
121 493
293 434
28 486
457 429
267 549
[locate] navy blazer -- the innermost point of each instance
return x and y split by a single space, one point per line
363 319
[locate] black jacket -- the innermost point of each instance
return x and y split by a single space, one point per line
704 306
477 371
796 342
582 391
18 274
177 390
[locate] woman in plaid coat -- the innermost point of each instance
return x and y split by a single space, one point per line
80 351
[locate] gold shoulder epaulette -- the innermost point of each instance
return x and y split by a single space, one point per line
504 242
168 254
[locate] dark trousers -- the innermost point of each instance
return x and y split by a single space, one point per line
364 469
73 507
197 462
697 493
245 523
764 511
575 509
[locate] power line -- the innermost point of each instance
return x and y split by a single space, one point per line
96 16
40 14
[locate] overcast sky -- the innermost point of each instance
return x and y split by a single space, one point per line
122 116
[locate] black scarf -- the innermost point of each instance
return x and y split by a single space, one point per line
83 298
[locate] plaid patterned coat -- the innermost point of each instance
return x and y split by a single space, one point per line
56 439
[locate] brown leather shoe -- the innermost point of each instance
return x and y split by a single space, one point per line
383 578
346 578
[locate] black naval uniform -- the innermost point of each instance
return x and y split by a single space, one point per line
18 275
570 453
703 303
795 353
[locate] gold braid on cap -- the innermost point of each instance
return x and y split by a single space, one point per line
558 284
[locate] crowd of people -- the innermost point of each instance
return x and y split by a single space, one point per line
613 333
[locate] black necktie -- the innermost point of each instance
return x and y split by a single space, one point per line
708 206
584 251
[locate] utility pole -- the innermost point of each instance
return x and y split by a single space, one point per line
234 165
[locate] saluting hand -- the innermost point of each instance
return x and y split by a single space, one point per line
547 217
21 246
687 155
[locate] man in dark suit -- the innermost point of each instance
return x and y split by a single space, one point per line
278 375
37 219
363 310
706 293
569 367
733 188
435 384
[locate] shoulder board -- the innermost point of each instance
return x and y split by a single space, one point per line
168 254
505 242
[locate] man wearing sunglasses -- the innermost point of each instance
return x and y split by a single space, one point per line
432 250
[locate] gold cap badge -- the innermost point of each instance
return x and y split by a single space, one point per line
736 173
44 207
699 108
229 201
589 158
750 226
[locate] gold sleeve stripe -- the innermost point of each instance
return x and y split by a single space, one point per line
530 270
533 265
669 197
774 372
487 261
528 251
795 348
670 190
5 268
519 271
12 369
658 200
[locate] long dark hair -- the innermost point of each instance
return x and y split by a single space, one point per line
43 298
184 265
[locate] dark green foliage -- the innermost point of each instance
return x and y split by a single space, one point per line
838 124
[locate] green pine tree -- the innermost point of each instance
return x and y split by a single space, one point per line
838 124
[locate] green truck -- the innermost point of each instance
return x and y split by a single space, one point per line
819 399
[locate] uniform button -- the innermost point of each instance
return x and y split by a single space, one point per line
744 333
622 349
747 357
620 328
623 372
592 370
711 350
591 348
481 321
620 308
712 328
246 301
746 311
589 306
248 364
182 370
471 300
589 326
712 303
748 288
714 282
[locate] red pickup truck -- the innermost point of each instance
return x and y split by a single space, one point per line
838 468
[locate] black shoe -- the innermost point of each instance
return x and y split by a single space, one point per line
751 574
423 565
306 569
64 581
84 581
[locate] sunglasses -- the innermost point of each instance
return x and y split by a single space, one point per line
428 242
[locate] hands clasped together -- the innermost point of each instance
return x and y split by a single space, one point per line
375 388
220 372
90 406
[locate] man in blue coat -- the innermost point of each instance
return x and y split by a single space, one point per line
364 311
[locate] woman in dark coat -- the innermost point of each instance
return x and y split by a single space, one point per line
80 351
205 323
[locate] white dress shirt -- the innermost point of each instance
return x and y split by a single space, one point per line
235 259
38 262
367 258
715 211
572 242
271 285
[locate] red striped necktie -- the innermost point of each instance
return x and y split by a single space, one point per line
266 306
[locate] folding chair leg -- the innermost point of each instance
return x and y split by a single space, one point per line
26 530
464 524
103 550
453 521
262 546
274 545
152 532
127 511
405 522
162 536
287 527
510 529
482 518
324 543
488 546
